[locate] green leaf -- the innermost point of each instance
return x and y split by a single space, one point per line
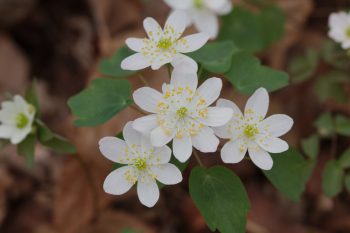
129 230
100 102
111 66
27 148
332 179
347 182
220 197
304 66
311 146
32 98
216 56
344 160
247 74
243 28
250 31
272 22
331 86
342 125
325 124
290 173
334 55
59 144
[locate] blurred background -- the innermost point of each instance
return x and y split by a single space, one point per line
61 44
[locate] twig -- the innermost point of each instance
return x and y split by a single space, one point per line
169 70
143 80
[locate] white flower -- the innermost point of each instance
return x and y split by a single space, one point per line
182 113
251 132
16 119
163 46
203 13
143 164
339 24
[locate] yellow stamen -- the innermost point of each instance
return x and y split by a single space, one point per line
164 43
250 131
182 112
140 163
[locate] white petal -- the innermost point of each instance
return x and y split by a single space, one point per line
115 183
225 9
113 149
135 44
161 60
192 42
135 62
338 20
20 103
272 144
145 124
206 21
176 4
184 63
229 104
160 138
276 125
148 193
346 44
233 151
214 5
182 148
147 98
217 116
257 105
6 131
181 78
210 90
260 158
205 141
8 114
175 24
152 28
19 135
161 155
167 174
131 136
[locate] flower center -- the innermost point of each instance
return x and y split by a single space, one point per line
198 3
21 120
182 112
348 32
140 163
250 131
164 43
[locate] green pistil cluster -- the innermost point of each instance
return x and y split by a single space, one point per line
140 163
250 131
198 3
182 112
164 43
21 120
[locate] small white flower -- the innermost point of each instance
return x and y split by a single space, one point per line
163 46
203 13
339 24
144 165
252 132
182 113
16 119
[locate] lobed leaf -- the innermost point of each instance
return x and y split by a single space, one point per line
332 179
290 173
101 101
311 146
220 197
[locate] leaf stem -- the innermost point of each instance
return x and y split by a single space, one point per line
197 158
143 80
137 109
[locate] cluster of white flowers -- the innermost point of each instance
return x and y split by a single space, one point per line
16 119
182 113
339 24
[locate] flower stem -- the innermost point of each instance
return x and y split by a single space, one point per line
200 71
137 109
169 70
143 80
198 158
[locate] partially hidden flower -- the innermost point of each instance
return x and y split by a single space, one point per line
181 113
339 24
163 46
251 132
143 164
16 119
203 13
